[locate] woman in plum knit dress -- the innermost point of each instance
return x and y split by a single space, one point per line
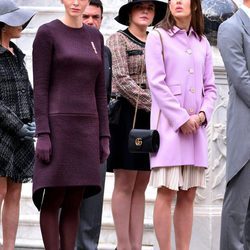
72 122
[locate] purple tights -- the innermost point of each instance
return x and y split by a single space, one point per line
59 217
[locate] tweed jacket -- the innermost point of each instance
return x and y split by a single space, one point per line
16 95
129 69
16 108
235 52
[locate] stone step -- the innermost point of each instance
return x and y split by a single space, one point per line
29 234
108 233
29 230
100 247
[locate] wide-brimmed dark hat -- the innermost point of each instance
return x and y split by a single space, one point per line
14 16
123 15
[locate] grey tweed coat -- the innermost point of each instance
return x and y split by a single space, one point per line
16 108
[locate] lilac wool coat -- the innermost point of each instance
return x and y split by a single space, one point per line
182 84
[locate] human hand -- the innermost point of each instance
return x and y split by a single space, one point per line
104 149
197 119
43 147
27 132
191 125
202 118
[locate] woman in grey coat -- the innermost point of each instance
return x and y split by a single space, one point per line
16 119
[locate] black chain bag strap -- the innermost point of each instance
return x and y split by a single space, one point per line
144 140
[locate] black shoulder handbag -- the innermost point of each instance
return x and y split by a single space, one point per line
144 140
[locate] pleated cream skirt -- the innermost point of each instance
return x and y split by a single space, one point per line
178 177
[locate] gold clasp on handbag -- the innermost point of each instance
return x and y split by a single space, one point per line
138 141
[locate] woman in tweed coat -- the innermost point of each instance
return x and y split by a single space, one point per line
16 116
131 171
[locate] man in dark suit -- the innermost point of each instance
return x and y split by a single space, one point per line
91 208
234 45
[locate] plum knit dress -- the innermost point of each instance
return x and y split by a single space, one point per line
70 105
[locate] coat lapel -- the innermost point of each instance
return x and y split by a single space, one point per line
245 20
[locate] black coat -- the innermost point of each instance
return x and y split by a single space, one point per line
108 71
16 108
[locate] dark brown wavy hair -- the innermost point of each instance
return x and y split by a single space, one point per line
197 20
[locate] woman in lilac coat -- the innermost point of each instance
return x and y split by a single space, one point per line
72 122
183 92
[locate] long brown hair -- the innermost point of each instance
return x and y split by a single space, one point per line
197 20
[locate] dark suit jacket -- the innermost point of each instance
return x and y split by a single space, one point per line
108 70
234 45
